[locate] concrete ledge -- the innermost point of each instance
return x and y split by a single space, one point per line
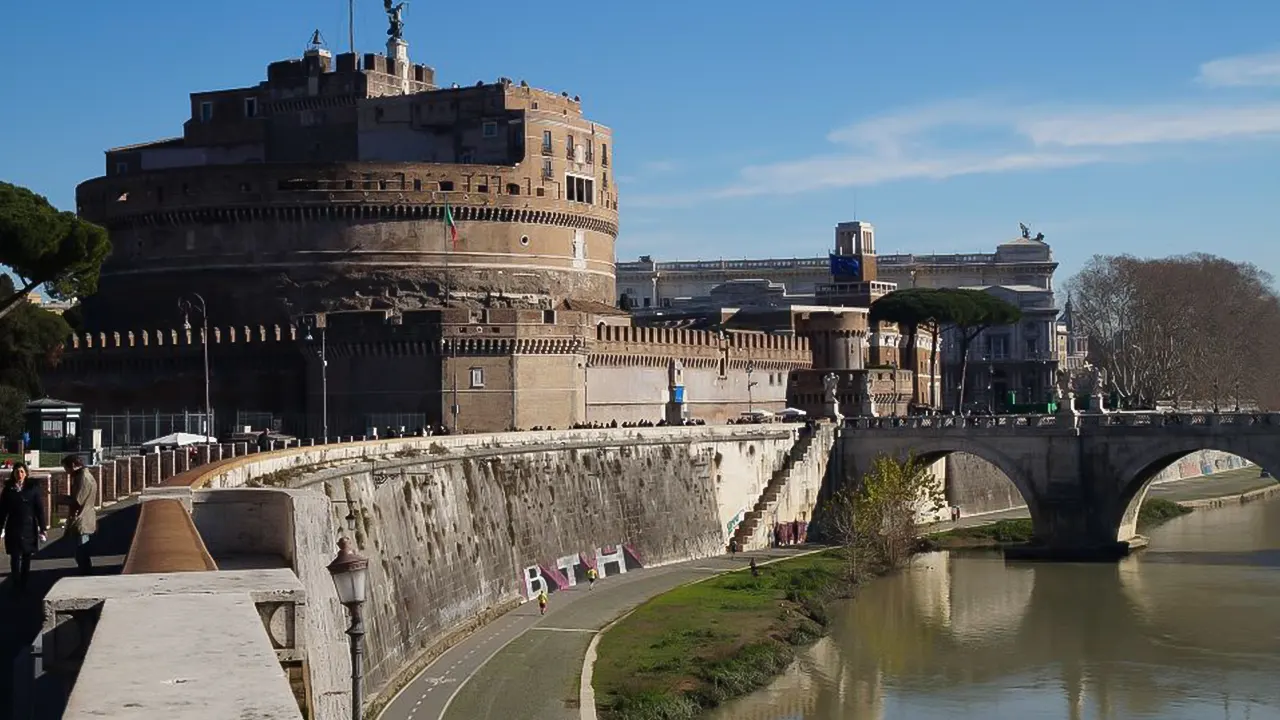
1228 500
1101 553
74 593
166 541
189 656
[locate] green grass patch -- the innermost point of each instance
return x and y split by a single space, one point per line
996 534
1155 511
699 645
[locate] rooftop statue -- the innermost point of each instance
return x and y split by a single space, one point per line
395 16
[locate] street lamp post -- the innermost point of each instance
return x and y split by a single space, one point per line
186 306
324 373
349 571
751 368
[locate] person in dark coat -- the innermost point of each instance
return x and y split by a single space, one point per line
22 518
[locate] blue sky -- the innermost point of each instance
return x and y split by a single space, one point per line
750 128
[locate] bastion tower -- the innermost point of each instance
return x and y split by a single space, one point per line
325 188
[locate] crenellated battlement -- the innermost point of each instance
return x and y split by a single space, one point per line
180 337
624 335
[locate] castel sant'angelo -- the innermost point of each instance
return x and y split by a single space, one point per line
315 208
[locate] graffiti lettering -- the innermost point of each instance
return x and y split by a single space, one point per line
570 570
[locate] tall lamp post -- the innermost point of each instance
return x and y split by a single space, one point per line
186 306
349 570
751 368
317 321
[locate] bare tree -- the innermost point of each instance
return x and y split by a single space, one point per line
1194 327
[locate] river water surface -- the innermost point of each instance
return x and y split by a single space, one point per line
1187 629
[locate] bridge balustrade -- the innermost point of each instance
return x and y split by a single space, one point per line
1121 419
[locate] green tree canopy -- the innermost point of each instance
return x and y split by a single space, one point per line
47 247
30 339
12 404
971 312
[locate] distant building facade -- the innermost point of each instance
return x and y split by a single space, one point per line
1022 359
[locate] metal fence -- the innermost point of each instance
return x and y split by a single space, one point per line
409 421
131 429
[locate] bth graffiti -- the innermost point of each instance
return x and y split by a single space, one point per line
570 570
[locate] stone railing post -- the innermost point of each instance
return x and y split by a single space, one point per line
153 470
106 474
168 467
137 473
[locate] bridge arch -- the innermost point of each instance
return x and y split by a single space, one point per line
932 449
1137 472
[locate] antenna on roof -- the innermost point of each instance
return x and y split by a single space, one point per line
351 26
855 204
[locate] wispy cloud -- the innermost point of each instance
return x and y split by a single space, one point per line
1242 71
1110 128
973 137
659 167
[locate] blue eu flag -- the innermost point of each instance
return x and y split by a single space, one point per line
845 266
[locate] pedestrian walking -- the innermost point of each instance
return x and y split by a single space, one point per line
22 521
542 603
83 521
591 578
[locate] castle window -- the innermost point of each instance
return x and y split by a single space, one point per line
546 142
446 186
546 168
580 189
490 129
467 158
591 150
351 184
604 154
417 184
206 111
604 181
541 192
246 187
477 377
482 188
513 189
568 144
122 168
251 107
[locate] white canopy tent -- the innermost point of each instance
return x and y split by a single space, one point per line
178 439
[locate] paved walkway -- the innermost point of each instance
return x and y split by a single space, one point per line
528 666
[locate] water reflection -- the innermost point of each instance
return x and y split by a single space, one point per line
1189 629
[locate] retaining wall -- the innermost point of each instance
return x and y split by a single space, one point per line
459 529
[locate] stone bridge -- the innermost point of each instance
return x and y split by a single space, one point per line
1083 476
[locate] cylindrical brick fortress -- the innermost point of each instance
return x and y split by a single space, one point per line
265 242
324 188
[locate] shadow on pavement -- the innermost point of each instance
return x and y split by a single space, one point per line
23 614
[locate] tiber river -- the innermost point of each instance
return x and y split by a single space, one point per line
1187 629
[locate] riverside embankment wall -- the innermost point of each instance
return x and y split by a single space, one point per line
459 529
978 487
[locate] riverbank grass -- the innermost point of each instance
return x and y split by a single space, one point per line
699 645
1005 533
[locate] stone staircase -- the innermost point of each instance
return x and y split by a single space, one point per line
746 532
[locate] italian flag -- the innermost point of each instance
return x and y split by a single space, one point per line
449 223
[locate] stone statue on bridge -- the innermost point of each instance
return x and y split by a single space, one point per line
830 396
